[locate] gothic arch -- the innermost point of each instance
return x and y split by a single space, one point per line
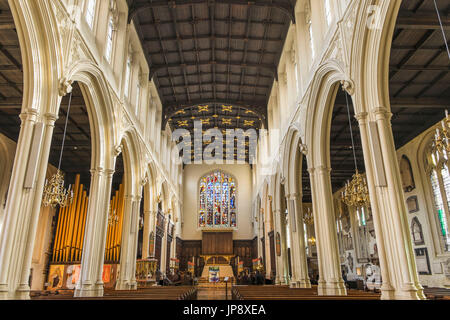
100 110
41 54
292 162
130 151
370 52
319 112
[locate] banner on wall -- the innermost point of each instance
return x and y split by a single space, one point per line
56 277
73 274
240 266
214 274
191 267
66 276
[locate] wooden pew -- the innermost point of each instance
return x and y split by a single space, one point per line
153 293
285 293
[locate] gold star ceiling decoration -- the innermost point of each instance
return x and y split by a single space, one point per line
203 108
227 108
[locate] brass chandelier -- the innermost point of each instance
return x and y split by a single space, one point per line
113 218
356 193
441 139
308 217
54 192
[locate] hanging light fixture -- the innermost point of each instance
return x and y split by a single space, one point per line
113 218
54 192
356 193
308 217
441 138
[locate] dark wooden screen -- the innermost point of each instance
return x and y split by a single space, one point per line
217 243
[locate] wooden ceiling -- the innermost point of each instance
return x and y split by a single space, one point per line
221 53
419 81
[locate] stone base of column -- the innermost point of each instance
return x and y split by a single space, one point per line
387 292
409 292
293 283
123 285
321 288
133 285
23 292
305 284
89 291
336 288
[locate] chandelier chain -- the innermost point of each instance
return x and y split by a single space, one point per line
65 129
442 28
351 130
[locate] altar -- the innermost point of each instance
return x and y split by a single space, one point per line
217 252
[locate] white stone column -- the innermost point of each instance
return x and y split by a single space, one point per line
280 275
326 234
146 234
23 205
321 288
164 246
397 262
300 278
128 248
90 283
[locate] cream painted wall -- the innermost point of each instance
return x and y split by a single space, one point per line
439 261
192 175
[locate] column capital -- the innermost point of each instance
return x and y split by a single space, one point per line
277 211
50 118
323 169
98 170
293 196
109 172
382 113
361 117
28 114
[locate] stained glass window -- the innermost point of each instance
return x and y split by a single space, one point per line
440 185
217 203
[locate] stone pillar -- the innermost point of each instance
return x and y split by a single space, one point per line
300 278
23 205
330 282
280 276
128 248
91 283
146 234
397 261
164 246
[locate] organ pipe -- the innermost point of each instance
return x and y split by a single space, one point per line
69 236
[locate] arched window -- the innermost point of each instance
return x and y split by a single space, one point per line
127 77
217 203
90 12
310 29
328 14
439 175
109 39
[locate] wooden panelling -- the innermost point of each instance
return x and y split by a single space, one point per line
217 243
